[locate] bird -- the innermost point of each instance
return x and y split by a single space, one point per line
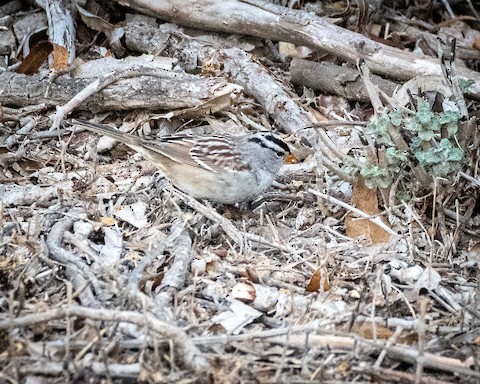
221 169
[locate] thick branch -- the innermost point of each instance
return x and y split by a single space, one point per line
191 356
301 28
165 91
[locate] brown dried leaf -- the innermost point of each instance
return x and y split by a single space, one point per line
35 58
291 159
245 292
95 22
60 57
365 199
316 279
252 275
365 330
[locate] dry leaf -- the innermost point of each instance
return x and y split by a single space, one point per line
258 296
252 275
476 44
108 221
472 255
210 68
321 274
35 58
60 57
244 292
95 22
292 50
291 159
99 67
365 330
134 214
237 317
365 199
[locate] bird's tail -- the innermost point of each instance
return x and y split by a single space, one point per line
123 137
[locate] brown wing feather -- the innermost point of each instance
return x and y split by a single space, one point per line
176 148
218 153
212 153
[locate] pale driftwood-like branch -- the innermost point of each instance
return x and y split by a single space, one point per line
175 277
265 89
166 90
181 249
396 352
266 20
386 375
334 79
179 243
106 80
61 29
49 368
238 65
188 352
28 194
303 337
78 272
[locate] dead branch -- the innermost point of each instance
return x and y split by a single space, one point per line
188 352
254 78
49 368
18 195
393 376
75 268
397 352
266 20
161 91
339 80
182 250
61 28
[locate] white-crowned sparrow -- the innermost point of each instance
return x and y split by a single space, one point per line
224 169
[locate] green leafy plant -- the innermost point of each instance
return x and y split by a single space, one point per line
442 159
379 130
396 117
424 122
431 145
450 119
465 84
375 175
396 159
349 167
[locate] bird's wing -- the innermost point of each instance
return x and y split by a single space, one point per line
218 153
212 153
175 147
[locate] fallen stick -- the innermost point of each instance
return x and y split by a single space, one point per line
188 352
269 21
